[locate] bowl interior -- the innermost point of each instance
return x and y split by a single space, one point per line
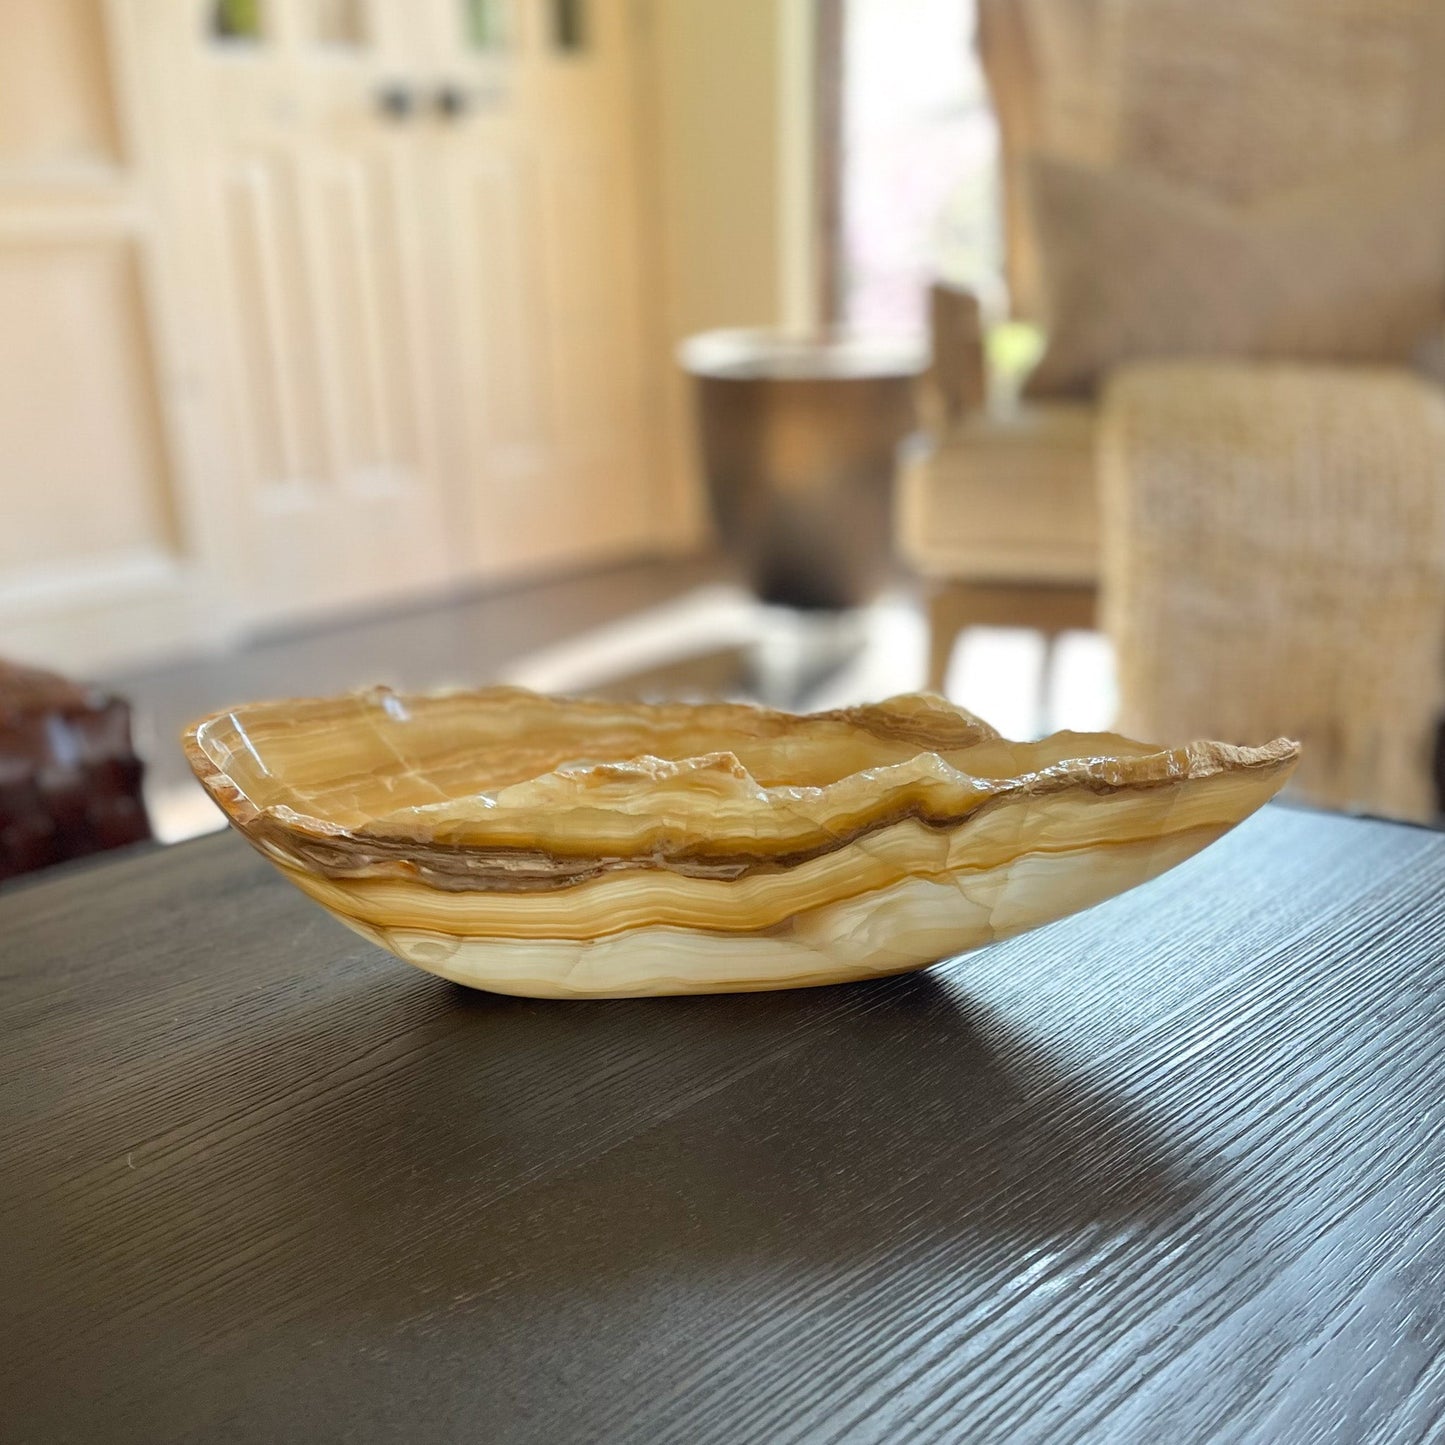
351 761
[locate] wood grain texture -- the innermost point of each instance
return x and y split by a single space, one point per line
1170 1170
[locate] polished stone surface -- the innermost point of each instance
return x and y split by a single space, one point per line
531 845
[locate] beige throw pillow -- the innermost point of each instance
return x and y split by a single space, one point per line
1133 268
1241 100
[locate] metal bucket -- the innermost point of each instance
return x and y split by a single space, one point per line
800 440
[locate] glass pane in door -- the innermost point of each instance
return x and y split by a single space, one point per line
237 20
487 24
569 25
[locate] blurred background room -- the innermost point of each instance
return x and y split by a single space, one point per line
1081 359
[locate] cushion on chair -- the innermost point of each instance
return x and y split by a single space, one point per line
1134 268
1005 499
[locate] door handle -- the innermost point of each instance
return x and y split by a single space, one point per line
396 102
452 102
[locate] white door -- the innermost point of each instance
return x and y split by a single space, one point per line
303 173
423 226
537 209
102 556
307 305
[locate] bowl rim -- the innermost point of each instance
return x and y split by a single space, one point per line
313 843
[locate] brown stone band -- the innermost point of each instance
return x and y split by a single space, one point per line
463 868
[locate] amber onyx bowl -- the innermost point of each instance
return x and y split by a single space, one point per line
562 848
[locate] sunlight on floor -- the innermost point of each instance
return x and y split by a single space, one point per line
181 811
998 672
1083 695
1009 676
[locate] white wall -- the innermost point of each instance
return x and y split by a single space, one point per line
729 122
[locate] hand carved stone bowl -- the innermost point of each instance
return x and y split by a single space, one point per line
566 849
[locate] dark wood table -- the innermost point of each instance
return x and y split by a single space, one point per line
1173 1170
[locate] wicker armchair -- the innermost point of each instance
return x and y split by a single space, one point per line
1238 108
1274 563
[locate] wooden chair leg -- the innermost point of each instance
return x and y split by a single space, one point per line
954 606
947 614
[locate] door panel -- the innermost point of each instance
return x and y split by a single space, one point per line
98 561
588 324
275 368
339 485
371 357
76 345
539 165
500 271
57 104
